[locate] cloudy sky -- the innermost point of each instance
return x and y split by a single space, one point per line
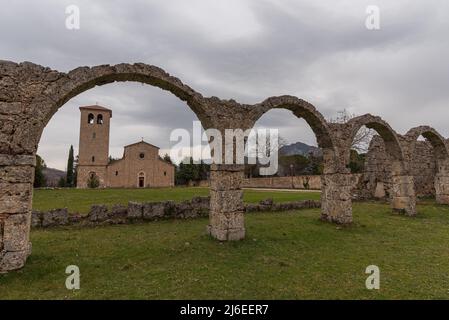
320 51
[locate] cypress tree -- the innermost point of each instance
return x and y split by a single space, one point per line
70 171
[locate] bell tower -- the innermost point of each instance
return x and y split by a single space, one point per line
93 145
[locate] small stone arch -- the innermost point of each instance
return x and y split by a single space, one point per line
388 135
403 191
432 136
333 204
441 154
301 109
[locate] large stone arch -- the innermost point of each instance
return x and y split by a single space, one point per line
301 109
333 202
441 154
31 94
403 193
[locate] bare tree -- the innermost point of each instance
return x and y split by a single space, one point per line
363 137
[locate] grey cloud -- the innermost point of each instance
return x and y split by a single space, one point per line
247 50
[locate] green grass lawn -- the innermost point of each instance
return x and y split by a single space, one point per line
80 200
289 255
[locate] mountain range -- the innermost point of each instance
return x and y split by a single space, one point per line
299 148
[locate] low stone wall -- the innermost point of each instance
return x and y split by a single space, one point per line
295 182
151 211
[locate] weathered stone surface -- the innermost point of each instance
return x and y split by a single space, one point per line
36 219
31 94
119 211
135 210
226 201
154 210
56 217
16 174
15 197
13 260
98 213
17 160
15 229
226 180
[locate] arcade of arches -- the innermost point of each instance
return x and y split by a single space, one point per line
31 94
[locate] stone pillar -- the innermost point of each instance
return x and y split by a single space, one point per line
403 197
442 183
16 177
336 203
226 221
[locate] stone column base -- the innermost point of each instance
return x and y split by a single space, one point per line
13 260
442 189
226 234
226 220
336 203
404 198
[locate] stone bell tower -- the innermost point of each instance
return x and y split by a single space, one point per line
93 145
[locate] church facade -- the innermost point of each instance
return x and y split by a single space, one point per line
140 167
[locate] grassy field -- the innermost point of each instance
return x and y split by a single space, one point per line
80 200
290 255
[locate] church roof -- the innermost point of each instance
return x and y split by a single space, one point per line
141 142
96 107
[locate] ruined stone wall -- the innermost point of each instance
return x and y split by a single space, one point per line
296 182
376 181
150 211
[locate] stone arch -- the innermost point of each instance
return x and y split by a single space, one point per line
388 135
76 81
432 136
441 154
301 109
24 113
403 192
333 205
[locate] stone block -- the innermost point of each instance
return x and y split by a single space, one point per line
118 211
406 205
13 260
16 174
226 201
336 211
15 197
230 220
226 180
15 232
153 210
135 210
17 160
56 217
98 213
36 219
442 198
226 234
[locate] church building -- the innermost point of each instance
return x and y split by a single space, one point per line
140 167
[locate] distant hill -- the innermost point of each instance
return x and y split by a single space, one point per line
52 176
299 148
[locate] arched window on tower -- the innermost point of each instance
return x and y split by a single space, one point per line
93 159
100 119
90 118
